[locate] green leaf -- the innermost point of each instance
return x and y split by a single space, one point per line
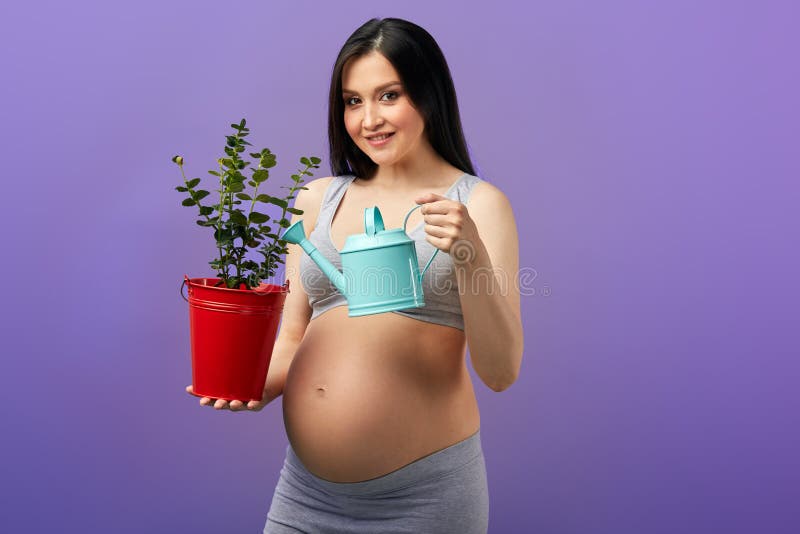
296 177
193 182
305 161
188 202
263 198
315 160
260 175
258 218
253 244
279 202
238 217
251 183
182 189
236 187
295 211
201 194
244 196
285 223
215 173
206 210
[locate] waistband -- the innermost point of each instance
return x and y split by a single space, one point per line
431 466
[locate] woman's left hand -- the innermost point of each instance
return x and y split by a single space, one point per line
447 223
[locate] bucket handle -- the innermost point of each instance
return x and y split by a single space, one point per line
186 280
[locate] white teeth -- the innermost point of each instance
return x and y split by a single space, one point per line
379 138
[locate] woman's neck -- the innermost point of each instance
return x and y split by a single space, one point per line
426 168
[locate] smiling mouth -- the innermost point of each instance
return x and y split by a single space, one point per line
381 136
377 140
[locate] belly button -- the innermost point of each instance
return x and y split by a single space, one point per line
321 390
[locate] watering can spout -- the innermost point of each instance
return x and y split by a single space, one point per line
296 235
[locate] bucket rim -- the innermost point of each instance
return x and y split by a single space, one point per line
262 289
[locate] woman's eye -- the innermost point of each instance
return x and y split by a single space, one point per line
353 100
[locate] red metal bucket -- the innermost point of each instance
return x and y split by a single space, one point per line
232 333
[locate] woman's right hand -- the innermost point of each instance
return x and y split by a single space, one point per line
234 405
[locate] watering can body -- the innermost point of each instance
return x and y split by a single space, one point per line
380 270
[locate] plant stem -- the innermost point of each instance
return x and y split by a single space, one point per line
222 273
191 193
292 189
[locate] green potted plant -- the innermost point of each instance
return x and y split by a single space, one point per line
234 316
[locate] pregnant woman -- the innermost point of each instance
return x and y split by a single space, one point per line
380 411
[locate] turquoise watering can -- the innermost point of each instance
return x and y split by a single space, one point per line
380 271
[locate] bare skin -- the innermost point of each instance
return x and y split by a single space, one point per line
367 395
364 396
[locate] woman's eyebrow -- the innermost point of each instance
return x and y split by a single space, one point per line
377 89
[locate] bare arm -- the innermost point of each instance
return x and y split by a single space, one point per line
490 297
486 265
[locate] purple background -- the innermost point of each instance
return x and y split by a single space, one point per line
650 151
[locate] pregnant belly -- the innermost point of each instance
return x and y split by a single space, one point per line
366 395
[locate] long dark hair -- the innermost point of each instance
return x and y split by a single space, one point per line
424 73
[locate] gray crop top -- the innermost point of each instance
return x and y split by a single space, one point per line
439 285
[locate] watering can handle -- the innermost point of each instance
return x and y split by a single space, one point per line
435 250
373 221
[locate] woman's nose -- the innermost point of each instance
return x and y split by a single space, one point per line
372 116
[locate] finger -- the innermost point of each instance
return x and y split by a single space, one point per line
190 389
205 401
221 404
428 197
236 405
436 219
442 243
255 405
437 231
439 206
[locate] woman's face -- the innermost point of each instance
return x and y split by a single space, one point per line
375 102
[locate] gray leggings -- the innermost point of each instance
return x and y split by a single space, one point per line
443 492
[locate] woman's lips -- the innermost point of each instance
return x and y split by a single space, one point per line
380 142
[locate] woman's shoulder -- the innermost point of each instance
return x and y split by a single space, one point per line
486 194
314 190
309 200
